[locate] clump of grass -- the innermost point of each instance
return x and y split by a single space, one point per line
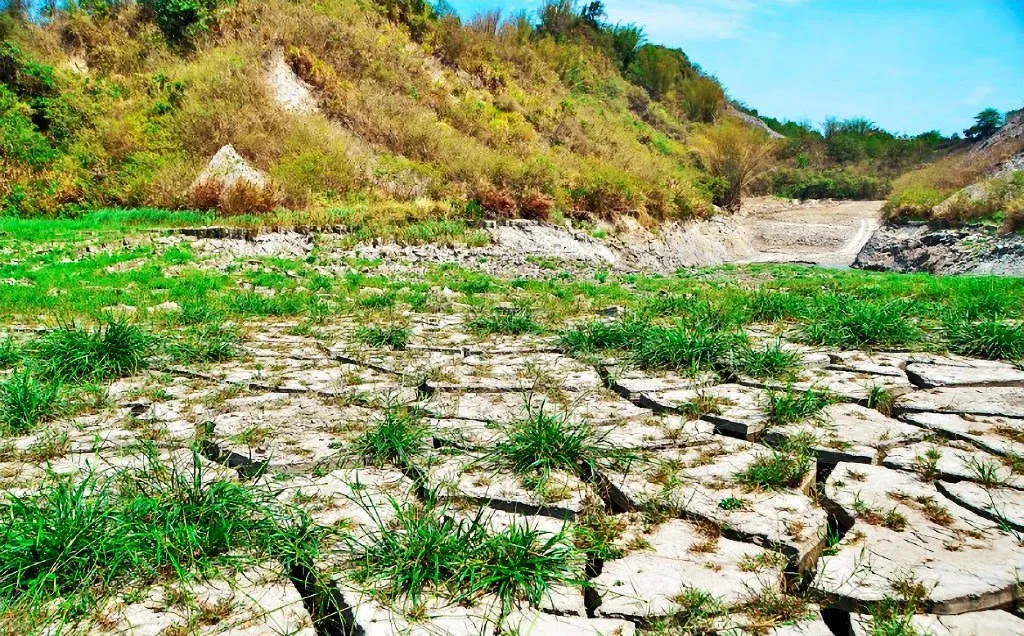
72 544
517 320
685 348
114 349
703 404
25 401
543 442
992 339
773 306
206 343
602 336
790 406
9 353
397 437
428 549
772 361
882 399
850 323
392 337
785 467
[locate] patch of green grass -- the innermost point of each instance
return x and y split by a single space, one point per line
213 342
791 406
384 300
115 348
785 467
395 439
71 545
602 336
251 303
687 348
771 361
542 442
992 339
392 337
852 323
426 549
517 320
732 503
25 401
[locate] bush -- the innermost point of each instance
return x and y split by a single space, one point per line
828 184
736 153
181 20
702 99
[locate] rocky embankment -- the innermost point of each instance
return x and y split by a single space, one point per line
920 247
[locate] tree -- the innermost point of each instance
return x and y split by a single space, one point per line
737 154
986 123
626 39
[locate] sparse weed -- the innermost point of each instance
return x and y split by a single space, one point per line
882 399
9 353
785 467
213 342
392 337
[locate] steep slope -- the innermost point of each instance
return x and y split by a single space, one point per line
391 103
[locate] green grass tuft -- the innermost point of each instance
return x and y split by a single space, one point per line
206 343
853 323
991 339
392 337
66 548
688 348
791 406
114 349
785 467
396 438
428 549
518 320
772 361
542 442
25 401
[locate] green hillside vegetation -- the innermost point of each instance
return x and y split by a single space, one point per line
107 104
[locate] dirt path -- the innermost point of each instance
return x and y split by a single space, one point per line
828 233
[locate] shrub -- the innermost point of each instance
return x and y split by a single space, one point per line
736 153
702 99
828 184
181 20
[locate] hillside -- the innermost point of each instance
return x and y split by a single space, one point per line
398 107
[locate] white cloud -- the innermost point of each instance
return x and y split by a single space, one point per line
677 21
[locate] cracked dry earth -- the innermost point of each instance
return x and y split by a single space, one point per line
924 497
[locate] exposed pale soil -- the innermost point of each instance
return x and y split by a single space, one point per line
294 404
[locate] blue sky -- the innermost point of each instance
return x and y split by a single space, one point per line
908 65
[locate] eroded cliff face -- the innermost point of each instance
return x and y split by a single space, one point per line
920 247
